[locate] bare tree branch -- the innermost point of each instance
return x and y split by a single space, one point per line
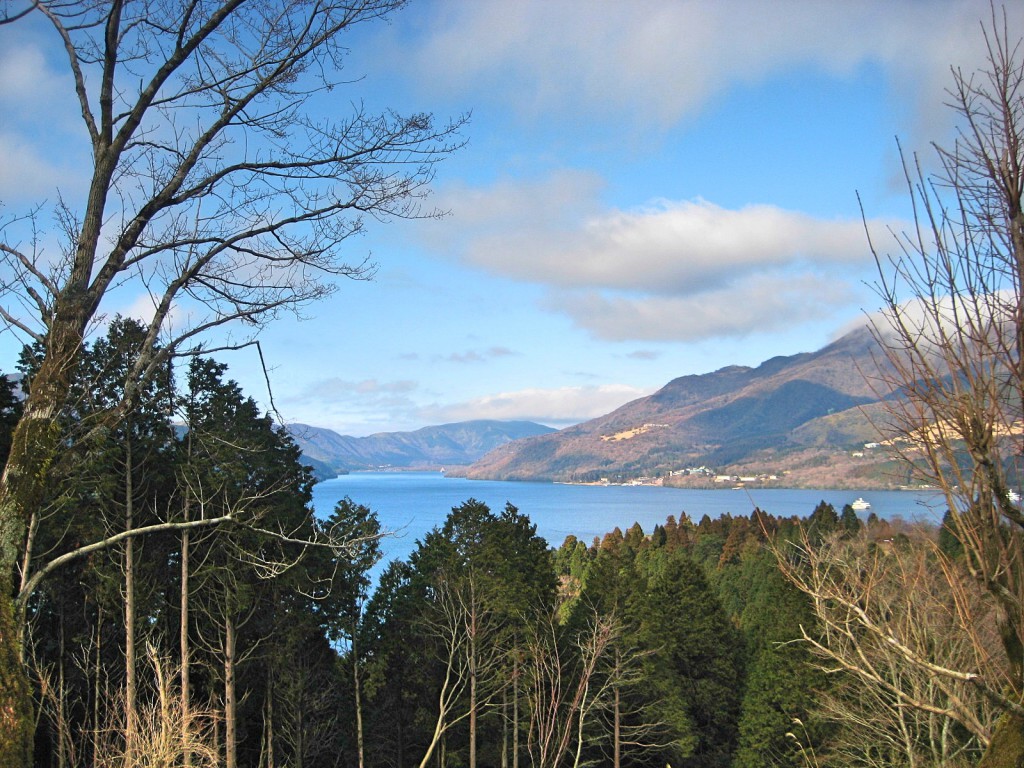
32 583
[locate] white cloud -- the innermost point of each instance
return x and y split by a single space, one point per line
354 406
368 406
40 114
763 305
26 81
335 387
25 174
668 248
557 407
478 355
659 62
671 270
142 307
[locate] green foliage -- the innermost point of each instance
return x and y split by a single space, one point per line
849 522
782 684
701 610
127 464
949 543
695 669
823 521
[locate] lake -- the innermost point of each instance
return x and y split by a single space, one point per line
410 504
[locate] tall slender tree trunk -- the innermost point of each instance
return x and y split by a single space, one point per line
515 714
63 731
97 688
472 672
230 703
504 728
35 445
131 692
617 731
267 758
183 644
358 694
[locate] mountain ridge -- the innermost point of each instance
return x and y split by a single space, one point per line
799 420
458 443
776 417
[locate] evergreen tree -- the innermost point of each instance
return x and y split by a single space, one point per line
695 668
502 574
781 686
949 543
397 683
849 522
239 463
10 412
822 522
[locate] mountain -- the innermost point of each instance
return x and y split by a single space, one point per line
448 444
778 417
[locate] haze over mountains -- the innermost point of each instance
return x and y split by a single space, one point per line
430 447
804 419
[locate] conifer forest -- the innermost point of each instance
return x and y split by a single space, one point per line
234 627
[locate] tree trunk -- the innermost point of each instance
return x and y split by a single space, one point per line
183 644
472 674
97 687
35 445
16 720
267 760
358 697
504 728
230 704
617 731
130 693
1006 750
63 729
515 715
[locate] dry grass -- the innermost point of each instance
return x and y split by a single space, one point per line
158 734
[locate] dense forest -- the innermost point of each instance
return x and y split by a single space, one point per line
235 627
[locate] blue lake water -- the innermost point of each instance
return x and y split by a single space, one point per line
409 504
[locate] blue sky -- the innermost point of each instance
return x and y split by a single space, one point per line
649 190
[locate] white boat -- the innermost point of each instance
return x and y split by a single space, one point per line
860 504
1013 497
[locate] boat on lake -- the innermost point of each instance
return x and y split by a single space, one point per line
860 505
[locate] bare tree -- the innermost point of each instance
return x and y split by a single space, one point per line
565 687
952 330
574 684
212 190
470 659
909 644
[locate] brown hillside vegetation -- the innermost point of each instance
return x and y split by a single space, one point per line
790 415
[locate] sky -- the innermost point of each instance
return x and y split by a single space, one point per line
648 190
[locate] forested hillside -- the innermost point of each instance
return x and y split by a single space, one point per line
234 627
